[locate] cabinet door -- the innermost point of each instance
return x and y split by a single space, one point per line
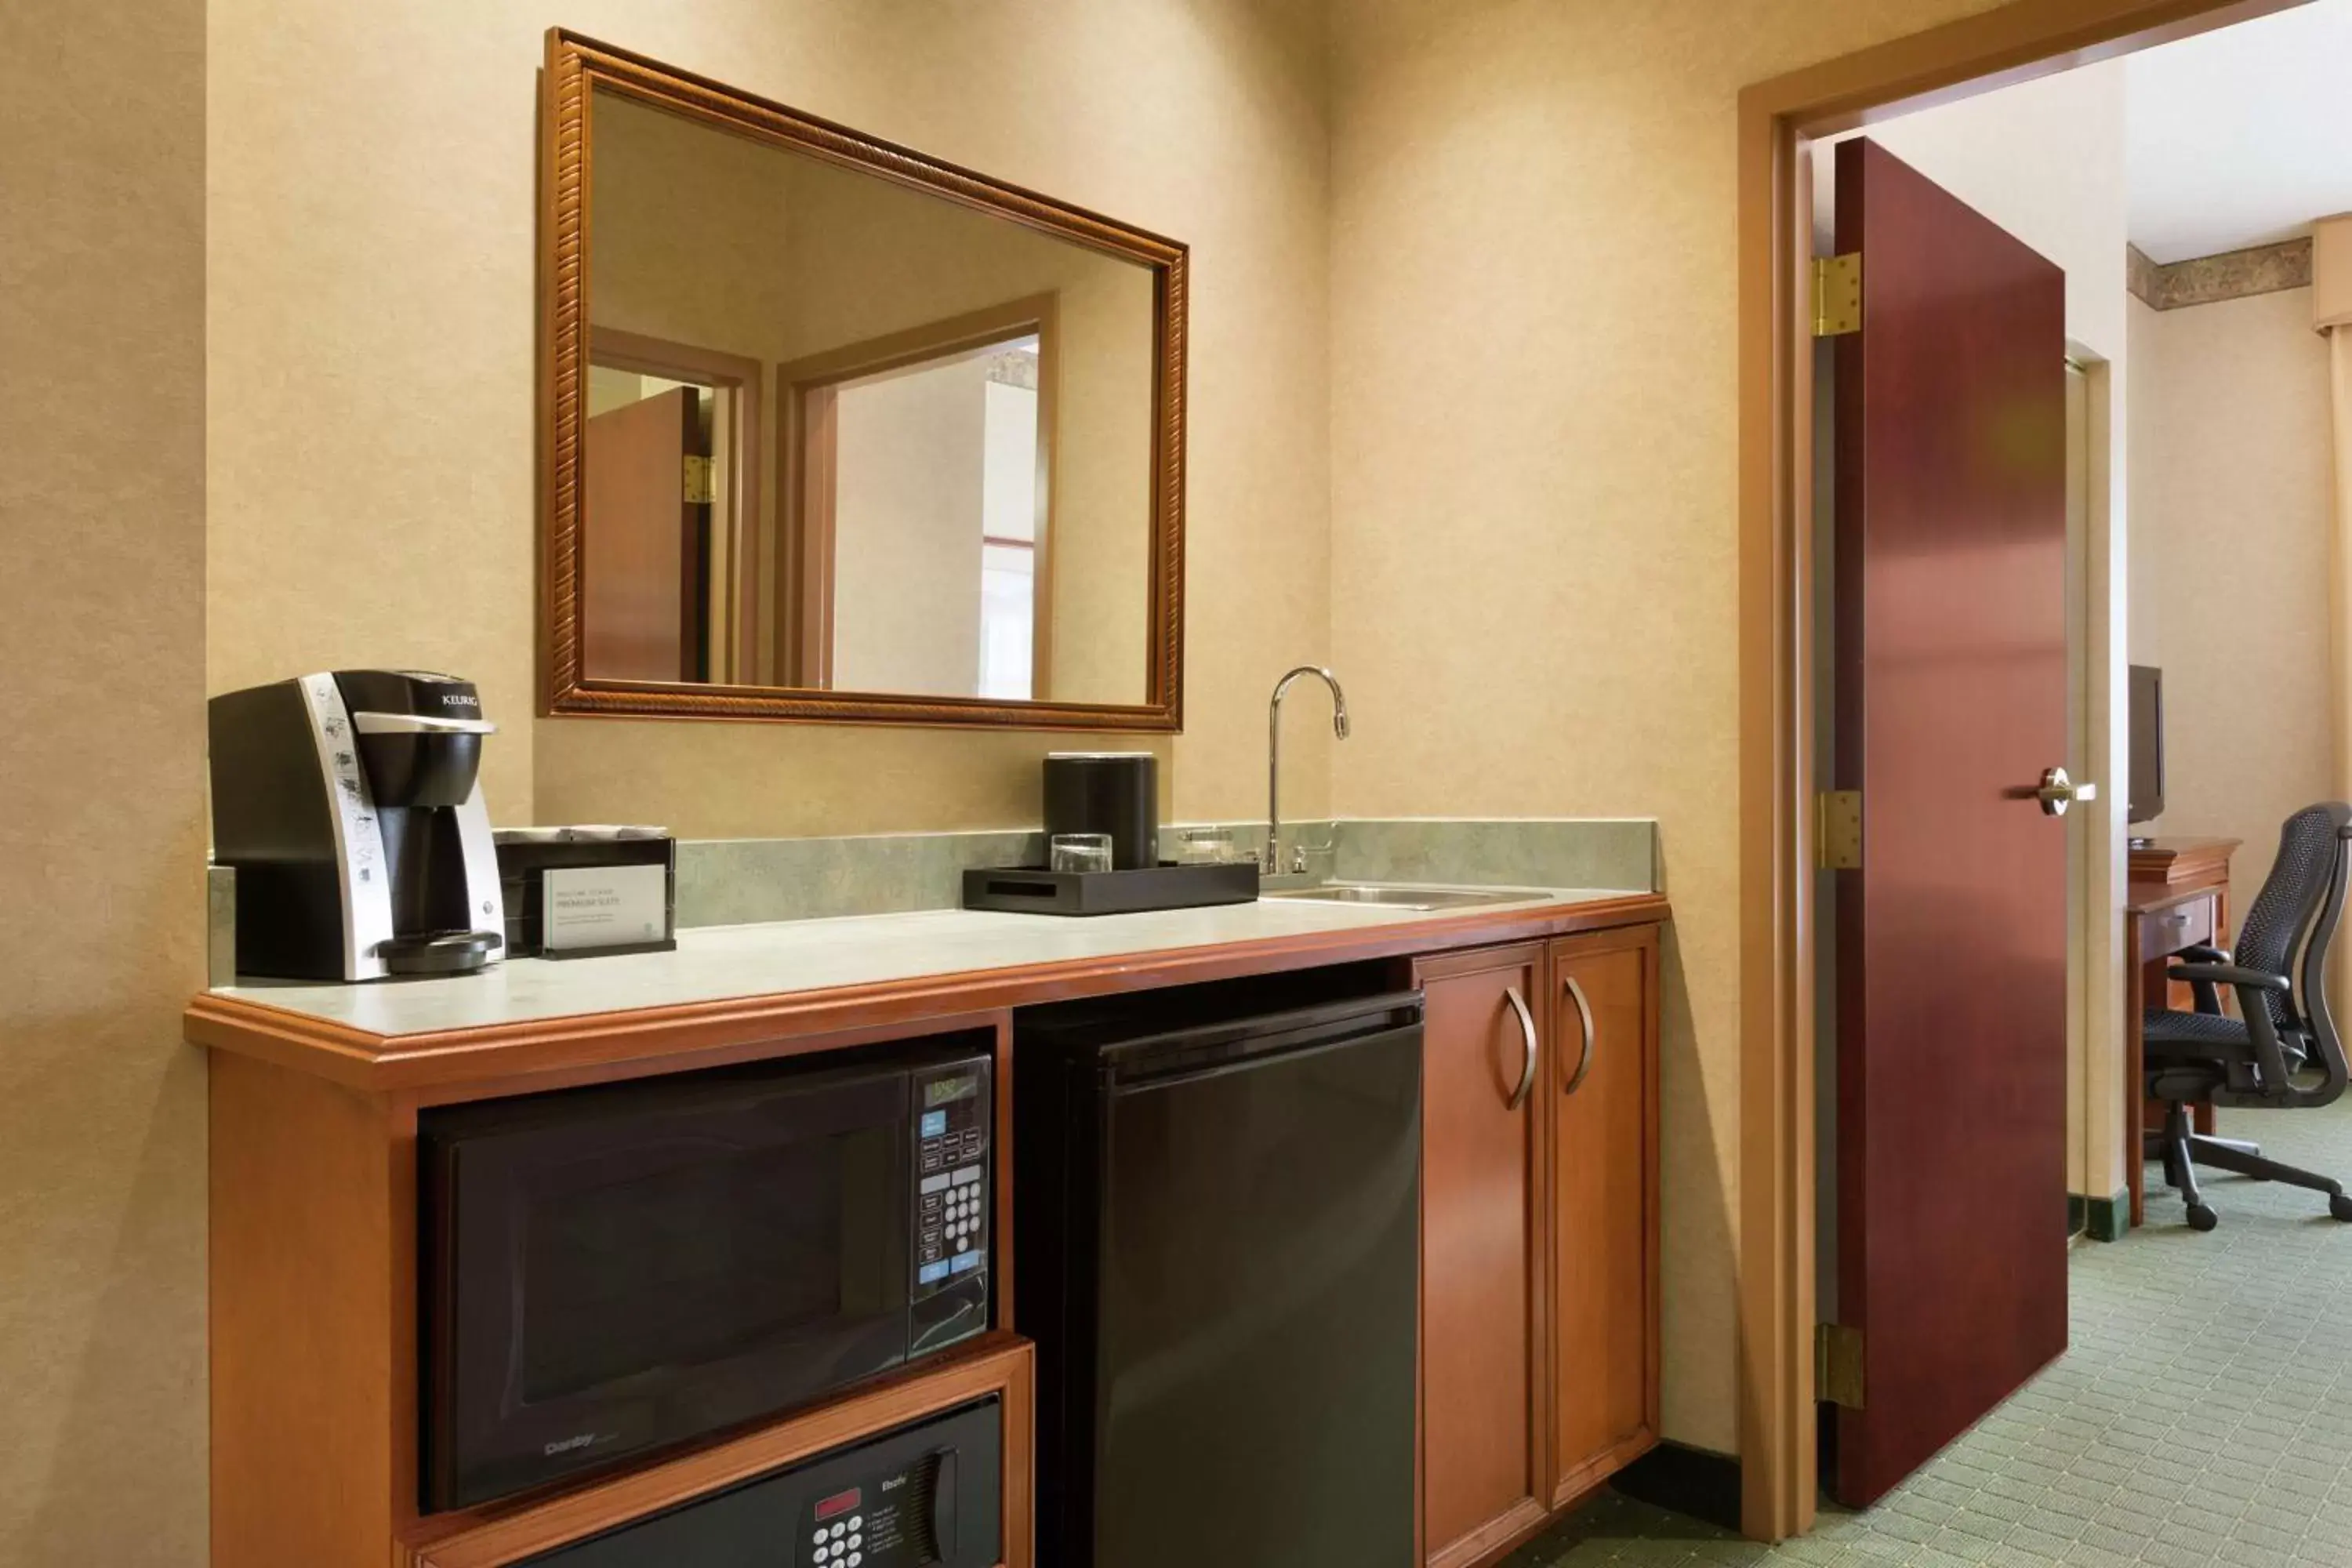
1482 1253
1603 1087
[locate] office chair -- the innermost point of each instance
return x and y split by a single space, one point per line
2282 1050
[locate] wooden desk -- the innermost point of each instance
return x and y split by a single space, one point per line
2178 897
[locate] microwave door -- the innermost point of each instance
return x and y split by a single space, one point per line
619 1282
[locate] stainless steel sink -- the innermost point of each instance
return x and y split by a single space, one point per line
1394 896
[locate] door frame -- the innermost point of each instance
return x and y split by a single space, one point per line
1778 120
804 506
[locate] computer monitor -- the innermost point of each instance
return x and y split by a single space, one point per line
2146 742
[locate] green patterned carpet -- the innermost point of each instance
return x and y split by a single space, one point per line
2203 1414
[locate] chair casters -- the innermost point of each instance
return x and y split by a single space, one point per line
2341 1208
2203 1217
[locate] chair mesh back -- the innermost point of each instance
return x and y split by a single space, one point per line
2284 911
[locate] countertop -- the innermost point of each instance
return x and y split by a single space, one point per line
800 976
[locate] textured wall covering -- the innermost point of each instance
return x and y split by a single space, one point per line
102 792
727 781
2232 275
1533 517
2232 464
372 285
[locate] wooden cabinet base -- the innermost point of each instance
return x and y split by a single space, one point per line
315 1315
1539 1251
1494 1538
1482 1299
999 1364
1576 1484
314 1335
1603 1231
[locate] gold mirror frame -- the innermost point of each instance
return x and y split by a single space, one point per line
576 66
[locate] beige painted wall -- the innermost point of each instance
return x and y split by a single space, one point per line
102 796
911 459
372 274
1534 539
2232 462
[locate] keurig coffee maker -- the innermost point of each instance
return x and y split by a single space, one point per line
351 806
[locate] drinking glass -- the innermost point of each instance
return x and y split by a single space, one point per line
1079 852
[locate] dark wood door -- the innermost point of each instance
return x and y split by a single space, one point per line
1602 1084
643 556
1482 1278
1950 671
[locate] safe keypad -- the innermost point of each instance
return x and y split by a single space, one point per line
841 1544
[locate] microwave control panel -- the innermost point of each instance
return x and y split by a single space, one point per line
953 1117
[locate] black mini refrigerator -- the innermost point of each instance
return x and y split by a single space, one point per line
1218 1245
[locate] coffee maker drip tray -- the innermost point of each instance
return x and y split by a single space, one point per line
438 952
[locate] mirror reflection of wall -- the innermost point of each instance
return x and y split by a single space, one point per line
923 488
953 413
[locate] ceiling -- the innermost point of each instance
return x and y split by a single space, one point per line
2240 136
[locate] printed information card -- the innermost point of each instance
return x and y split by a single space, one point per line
605 906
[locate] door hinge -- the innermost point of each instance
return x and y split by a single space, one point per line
701 479
1837 829
1837 294
1837 1364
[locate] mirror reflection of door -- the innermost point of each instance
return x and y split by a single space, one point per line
647 540
672 462
920 470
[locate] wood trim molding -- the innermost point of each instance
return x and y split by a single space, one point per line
1002 1365
2211 279
1778 119
742 377
541 1052
575 65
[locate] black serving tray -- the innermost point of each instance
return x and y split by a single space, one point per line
1030 891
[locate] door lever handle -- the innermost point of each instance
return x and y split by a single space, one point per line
2058 792
1527 1034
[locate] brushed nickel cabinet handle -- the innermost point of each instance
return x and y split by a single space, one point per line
1584 1021
1528 1033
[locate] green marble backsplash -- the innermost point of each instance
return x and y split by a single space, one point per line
1543 852
741 881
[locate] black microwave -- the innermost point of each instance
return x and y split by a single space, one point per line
607 1270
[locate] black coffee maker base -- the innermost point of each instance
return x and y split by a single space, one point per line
439 953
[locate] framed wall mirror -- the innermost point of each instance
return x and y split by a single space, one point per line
835 431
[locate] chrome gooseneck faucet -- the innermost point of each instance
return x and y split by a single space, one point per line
1271 863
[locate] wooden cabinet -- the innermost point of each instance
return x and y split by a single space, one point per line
1602 1085
1540 1227
1529 1334
1483 1345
